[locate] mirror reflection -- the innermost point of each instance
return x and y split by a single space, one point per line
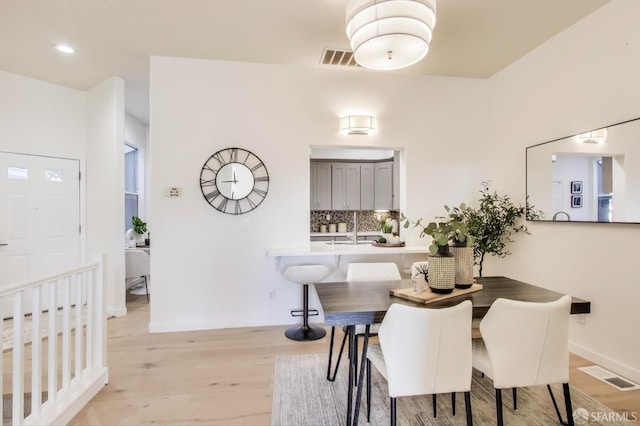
589 177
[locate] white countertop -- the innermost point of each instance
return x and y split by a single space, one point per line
321 248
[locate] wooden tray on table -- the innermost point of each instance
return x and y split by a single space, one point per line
427 296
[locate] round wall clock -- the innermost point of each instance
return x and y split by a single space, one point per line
234 181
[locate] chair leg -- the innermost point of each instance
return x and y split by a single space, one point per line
368 391
306 332
514 391
393 411
330 377
146 288
434 398
567 403
499 420
467 405
453 403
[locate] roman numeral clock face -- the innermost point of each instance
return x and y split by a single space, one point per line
234 181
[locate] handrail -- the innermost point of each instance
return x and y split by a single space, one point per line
13 287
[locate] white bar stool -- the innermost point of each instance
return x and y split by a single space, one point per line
305 275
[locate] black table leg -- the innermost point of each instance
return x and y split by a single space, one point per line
352 340
365 346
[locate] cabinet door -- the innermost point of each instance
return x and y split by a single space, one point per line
366 187
352 187
320 186
345 186
383 199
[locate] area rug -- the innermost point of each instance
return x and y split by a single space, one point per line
303 396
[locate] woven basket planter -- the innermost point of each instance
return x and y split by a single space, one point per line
442 271
464 266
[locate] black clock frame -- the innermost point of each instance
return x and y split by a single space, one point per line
212 194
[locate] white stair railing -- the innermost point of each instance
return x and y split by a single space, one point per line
59 365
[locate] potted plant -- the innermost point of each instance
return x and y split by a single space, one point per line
495 222
442 263
451 228
139 229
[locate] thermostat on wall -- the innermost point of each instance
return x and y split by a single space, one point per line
173 191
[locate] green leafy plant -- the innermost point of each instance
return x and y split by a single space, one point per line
139 226
447 228
494 223
386 227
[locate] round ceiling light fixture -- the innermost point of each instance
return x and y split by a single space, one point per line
390 34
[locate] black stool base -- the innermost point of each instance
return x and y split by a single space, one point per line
304 334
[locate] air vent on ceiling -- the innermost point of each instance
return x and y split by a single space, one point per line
338 57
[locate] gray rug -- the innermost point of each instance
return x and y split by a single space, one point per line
303 396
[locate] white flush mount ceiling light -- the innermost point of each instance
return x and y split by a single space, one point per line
594 136
390 34
65 48
357 125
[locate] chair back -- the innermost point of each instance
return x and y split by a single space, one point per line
137 263
527 343
373 272
427 351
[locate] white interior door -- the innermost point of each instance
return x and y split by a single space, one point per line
39 216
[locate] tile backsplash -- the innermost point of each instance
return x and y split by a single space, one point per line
367 220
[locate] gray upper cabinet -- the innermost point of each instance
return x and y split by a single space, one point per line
367 187
345 186
383 199
320 186
352 186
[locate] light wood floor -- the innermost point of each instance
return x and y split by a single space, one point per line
221 377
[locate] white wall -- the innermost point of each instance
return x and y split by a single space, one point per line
41 118
584 78
105 185
207 272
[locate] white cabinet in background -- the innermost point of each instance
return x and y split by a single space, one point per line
383 199
345 186
367 187
320 186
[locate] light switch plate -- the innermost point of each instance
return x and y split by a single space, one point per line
172 191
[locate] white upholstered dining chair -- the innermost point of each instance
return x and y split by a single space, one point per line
423 351
525 344
137 267
361 272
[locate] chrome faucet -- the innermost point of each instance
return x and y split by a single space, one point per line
559 213
354 236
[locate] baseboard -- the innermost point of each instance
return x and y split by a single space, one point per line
623 370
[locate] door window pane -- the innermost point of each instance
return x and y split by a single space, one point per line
17 173
130 209
53 175
130 169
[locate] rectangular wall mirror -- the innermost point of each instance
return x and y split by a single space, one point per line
589 177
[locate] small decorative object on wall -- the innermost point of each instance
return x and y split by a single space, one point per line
234 181
576 187
576 201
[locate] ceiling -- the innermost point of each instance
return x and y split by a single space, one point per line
472 38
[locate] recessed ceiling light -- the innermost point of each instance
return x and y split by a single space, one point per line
64 48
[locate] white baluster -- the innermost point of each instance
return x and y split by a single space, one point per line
36 352
18 360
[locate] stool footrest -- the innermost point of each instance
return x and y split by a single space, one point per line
300 312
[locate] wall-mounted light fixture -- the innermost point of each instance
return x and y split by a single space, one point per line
594 136
390 34
357 125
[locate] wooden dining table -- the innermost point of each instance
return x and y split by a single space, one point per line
364 303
